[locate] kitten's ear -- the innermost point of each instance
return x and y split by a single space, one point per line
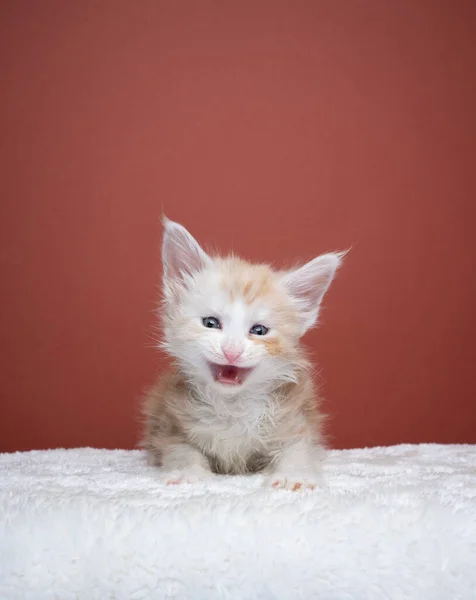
308 284
181 253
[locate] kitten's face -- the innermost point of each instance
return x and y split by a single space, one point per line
232 324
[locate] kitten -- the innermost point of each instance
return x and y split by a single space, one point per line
241 398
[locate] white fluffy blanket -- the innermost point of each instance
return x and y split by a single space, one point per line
390 523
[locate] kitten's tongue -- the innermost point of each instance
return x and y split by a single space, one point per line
229 374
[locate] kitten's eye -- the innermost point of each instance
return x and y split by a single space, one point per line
211 323
259 330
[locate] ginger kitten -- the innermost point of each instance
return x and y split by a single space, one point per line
241 398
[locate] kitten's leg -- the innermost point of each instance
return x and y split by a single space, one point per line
296 467
182 463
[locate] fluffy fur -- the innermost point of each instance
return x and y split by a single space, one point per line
241 399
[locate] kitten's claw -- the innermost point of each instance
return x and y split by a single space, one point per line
184 477
177 481
290 483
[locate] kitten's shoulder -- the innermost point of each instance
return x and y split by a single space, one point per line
300 393
301 399
169 384
159 406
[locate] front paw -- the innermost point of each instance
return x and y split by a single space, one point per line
292 483
184 476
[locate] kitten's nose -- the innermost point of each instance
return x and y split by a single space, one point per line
231 354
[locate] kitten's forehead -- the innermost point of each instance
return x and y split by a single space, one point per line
252 284
231 287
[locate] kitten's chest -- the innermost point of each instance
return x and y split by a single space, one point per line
231 433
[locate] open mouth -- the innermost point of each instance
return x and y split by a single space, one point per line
229 374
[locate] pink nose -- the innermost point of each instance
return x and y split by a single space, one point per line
231 354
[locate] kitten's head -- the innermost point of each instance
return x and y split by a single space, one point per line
233 324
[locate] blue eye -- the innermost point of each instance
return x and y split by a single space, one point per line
211 323
259 330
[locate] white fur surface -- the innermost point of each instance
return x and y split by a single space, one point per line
390 523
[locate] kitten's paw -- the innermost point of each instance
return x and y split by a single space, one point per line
294 484
185 476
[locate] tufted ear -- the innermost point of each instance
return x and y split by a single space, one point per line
182 256
308 284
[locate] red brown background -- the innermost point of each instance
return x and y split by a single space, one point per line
278 129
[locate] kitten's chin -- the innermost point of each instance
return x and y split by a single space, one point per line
229 376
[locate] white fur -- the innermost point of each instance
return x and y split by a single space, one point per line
88 524
298 465
193 345
183 463
232 428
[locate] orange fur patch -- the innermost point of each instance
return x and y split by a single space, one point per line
247 289
273 345
247 281
257 289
